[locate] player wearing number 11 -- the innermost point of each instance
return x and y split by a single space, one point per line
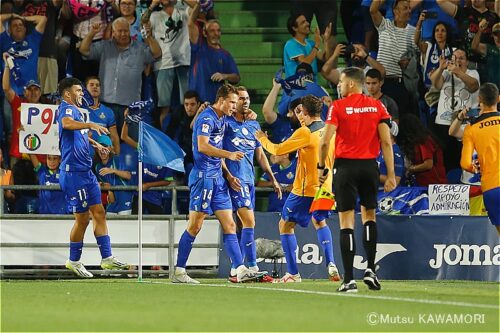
78 183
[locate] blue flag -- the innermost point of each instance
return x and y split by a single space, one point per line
156 148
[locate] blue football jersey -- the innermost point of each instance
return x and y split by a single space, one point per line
240 136
51 202
207 124
284 176
103 116
74 145
123 199
399 162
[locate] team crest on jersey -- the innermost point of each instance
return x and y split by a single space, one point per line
84 204
69 111
247 202
244 131
204 205
289 175
205 128
102 115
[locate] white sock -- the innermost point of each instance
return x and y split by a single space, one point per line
233 272
180 270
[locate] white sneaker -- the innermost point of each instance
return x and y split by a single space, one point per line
245 275
183 278
333 272
112 263
78 268
289 278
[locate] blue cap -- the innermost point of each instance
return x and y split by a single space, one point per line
104 140
32 83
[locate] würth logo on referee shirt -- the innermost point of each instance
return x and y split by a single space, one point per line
365 109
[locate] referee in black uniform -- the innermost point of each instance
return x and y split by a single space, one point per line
361 126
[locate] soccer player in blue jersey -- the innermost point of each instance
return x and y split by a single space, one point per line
51 202
77 181
240 136
208 189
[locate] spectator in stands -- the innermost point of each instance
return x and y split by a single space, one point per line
110 172
180 129
284 168
26 200
395 39
47 63
170 29
83 15
458 88
358 57
121 63
50 202
6 178
301 49
152 176
371 35
31 93
399 163
468 19
490 52
374 82
435 15
422 151
281 126
21 47
101 114
127 10
483 135
211 65
431 51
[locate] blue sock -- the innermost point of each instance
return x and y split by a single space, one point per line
248 244
75 251
233 249
242 248
185 246
104 244
289 244
326 242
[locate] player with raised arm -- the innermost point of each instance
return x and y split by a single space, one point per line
360 125
240 136
305 141
208 189
77 181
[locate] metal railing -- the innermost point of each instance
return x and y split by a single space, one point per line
173 188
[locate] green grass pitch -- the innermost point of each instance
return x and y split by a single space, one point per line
105 305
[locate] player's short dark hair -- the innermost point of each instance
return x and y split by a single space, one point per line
374 74
489 94
241 88
92 77
292 23
67 83
355 74
312 104
224 91
192 94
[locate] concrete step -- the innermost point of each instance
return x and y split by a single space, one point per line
244 48
258 18
226 5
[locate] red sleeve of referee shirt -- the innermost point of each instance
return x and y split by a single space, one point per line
331 117
384 114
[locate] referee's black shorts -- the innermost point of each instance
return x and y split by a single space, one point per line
352 177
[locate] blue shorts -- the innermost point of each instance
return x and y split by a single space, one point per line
491 200
208 195
244 197
296 209
81 190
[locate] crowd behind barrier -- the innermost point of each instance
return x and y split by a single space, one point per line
171 52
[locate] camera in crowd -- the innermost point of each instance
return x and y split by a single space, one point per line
348 51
